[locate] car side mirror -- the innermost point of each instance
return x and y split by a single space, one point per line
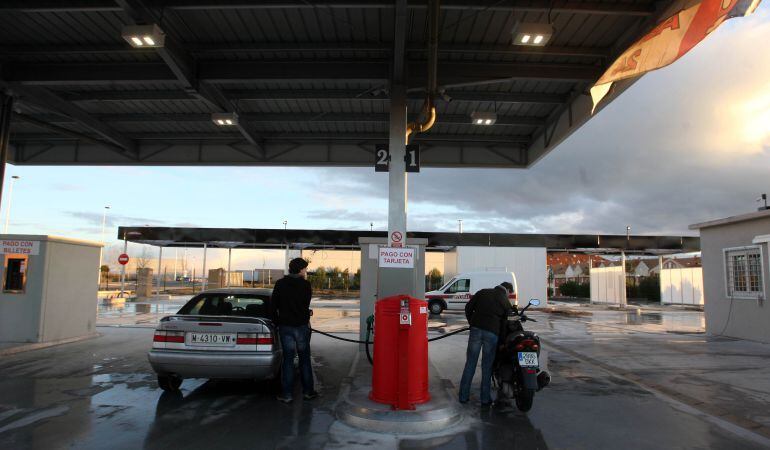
534 302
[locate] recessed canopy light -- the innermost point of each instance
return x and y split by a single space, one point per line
144 36
225 119
536 34
483 118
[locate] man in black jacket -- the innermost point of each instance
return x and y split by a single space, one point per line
290 304
487 313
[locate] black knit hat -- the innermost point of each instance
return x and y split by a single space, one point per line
296 265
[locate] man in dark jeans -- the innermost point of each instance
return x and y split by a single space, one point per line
291 312
487 313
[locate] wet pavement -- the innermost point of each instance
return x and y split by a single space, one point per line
616 383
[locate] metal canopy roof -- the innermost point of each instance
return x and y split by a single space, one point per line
309 80
346 239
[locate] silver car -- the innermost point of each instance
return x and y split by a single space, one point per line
221 333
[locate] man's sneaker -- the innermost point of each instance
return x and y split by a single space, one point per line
311 396
283 399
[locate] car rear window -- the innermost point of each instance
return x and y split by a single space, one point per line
227 305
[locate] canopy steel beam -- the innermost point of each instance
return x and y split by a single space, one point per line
291 117
450 74
65 131
305 94
43 98
279 153
629 9
270 47
466 139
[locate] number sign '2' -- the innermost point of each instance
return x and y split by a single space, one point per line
382 158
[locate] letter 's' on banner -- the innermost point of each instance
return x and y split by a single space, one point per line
671 39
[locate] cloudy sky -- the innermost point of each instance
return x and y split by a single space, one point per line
687 143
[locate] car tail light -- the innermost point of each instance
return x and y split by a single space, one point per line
246 339
265 339
527 344
176 337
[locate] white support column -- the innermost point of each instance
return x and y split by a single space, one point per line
176 257
397 177
590 269
229 261
204 280
623 299
160 268
123 267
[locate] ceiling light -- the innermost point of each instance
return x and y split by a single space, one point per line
227 119
532 33
144 36
483 118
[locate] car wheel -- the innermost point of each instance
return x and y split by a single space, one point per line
435 307
169 383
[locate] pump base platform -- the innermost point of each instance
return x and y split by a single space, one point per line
354 407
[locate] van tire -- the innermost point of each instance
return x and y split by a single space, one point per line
435 307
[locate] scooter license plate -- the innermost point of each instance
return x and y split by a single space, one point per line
528 359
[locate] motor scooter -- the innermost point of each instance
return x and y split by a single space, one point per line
516 370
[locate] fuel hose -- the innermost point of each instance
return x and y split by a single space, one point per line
370 326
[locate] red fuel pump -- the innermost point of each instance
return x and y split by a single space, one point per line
400 373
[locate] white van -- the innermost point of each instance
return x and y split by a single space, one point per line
454 295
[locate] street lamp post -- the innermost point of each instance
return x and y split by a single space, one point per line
101 250
286 251
8 210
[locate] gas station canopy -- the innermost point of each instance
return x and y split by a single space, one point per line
251 238
232 82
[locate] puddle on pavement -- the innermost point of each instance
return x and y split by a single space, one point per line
633 318
137 308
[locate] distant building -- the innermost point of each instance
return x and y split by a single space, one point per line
735 275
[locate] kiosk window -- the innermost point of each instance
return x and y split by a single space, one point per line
15 277
463 285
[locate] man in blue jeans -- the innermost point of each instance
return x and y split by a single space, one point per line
290 304
487 313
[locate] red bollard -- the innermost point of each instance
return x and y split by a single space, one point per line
400 373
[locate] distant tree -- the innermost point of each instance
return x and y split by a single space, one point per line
356 284
318 278
144 259
435 278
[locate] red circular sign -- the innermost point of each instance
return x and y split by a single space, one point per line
123 259
396 236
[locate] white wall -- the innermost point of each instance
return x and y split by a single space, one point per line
528 263
608 285
683 286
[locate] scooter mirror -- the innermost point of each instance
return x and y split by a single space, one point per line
534 302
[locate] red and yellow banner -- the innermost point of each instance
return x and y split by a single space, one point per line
671 39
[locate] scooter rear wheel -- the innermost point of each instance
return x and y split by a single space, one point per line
524 399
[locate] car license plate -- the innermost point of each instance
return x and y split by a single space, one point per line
213 339
528 359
